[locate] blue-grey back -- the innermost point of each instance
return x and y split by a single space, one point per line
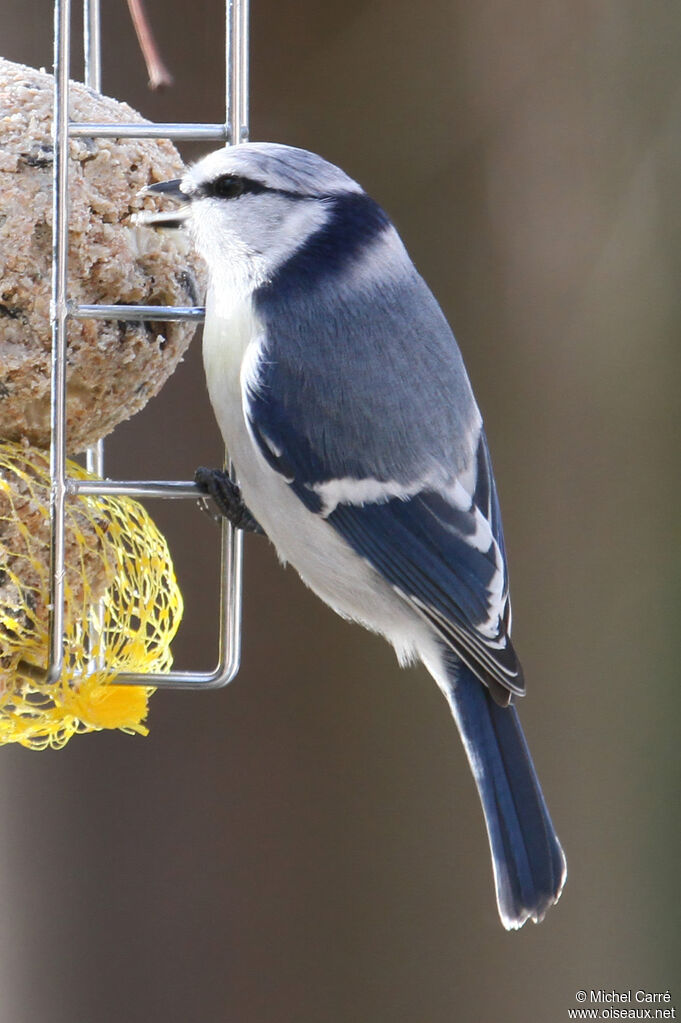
361 374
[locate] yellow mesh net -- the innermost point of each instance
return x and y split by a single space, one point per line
122 607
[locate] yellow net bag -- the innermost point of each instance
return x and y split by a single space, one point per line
122 607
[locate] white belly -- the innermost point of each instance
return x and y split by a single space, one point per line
322 558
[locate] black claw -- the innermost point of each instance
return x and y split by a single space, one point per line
227 496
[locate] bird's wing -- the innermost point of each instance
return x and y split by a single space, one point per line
399 467
442 550
440 546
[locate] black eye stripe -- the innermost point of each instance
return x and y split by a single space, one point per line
231 186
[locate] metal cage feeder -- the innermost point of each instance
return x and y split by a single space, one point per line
234 129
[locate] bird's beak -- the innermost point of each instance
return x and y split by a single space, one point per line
168 218
170 188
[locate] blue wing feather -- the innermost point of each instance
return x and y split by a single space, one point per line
422 547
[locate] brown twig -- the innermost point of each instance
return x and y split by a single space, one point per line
159 76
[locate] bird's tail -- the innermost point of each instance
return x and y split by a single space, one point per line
529 863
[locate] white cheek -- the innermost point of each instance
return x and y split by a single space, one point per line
245 240
216 237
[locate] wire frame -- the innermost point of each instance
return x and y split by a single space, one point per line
234 129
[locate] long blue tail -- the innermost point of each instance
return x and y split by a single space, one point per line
529 864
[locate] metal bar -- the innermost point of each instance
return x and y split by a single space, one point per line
172 130
58 317
166 313
94 463
229 46
92 49
237 76
168 489
94 459
94 455
232 560
92 44
244 71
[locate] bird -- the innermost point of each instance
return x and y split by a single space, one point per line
359 450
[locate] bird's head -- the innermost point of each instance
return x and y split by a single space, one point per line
253 205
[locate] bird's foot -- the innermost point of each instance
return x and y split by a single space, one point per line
227 496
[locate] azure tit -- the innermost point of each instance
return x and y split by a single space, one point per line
359 451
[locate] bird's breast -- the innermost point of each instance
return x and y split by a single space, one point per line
231 337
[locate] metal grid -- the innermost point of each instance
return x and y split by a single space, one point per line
235 129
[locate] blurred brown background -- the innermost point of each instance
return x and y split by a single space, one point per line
306 845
